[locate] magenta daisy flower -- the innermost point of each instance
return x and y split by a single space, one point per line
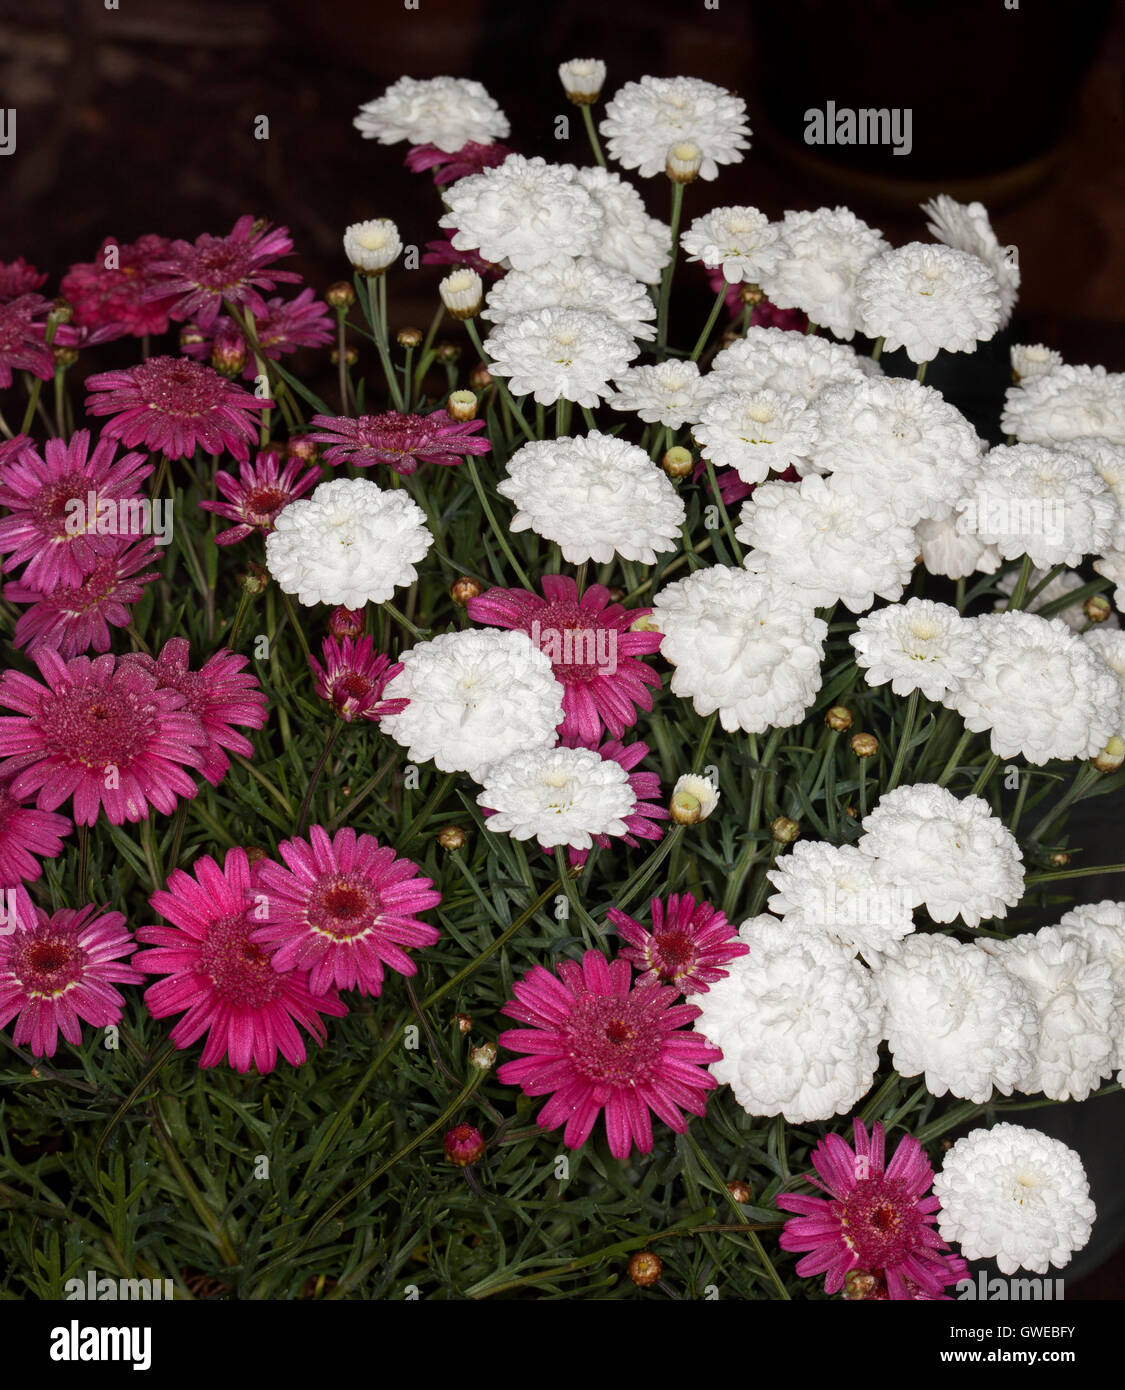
876 1217
26 833
52 525
222 982
343 909
23 339
59 972
688 943
354 677
286 325
171 405
220 695
402 442
104 298
471 158
345 622
73 618
595 1042
592 652
259 492
204 273
100 730
17 278
641 822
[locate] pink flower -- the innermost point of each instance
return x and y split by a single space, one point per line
285 326
224 984
640 823
592 652
259 492
117 298
687 944
99 730
24 834
17 278
400 441
58 972
216 268
463 1145
764 314
345 622
171 405
23 339
72 618
876 1217
354 677
596 1042
343 908
443 252
59 539
220 695
471 158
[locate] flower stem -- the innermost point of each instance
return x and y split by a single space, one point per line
325 752
707 327
377 296
920 374
669 271
907 734
727 527
1019 593
595 143
501 537
877 350
954 758
471 329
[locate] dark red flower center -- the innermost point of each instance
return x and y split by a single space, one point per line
100 727
343 908
47 961
674 953
613 1041
240 971
879 1220
178 387
580 647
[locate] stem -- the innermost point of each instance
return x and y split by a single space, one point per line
1085 777
907 733
199 1205
954 758
920 374
325 752
721 1187
1074 873
877 350
595 143
1019 593
471 329
985 773
501 537
433 801
727 527
669 271
377 297
707 327
342 365
404 621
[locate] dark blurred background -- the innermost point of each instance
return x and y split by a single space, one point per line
141 119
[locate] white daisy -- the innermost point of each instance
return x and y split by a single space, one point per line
966 227
1109 464
1032 359
949 551
757 432
1067 403
629 239
1111 566
742 241
823 254
644 118
917 645
561 796
693 798
670 393
560 353
583 79
579 283
1109 644
1101 926
372 246
448 112
777 359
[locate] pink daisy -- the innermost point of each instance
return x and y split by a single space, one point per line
354 677
872 1288
345 622
224 984
592 652
220 694
24 834
58 539
596 1042
688 943
171 405
259 492
343 909
204 273
876 1217
59 972
23 339
18 277
286 325
100 730
471 158
443 252
72 618
400 441
102 298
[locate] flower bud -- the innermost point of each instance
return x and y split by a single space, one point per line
465 588
345 622
865 745
645 623
740 1191
684 161
255 853
483 1057
677 462
62 311
1060 860
372 246
859 1285
462 292
462 405
693 799
191 336
645 1268
839 718
480 378
616 593
256 580
751 294
463 1023
340 295
1097 608
228 353
583 80
65 357
451 837
447 351
302 448
1111 757
785 831
464 1145
351 356
409 337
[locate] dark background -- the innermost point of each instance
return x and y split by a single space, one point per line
141 119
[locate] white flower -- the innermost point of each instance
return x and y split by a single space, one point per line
583 79
694 794
956 1014
1014 1195
1109 464
798 1022
475 697
740 240
948 550
952 854
778 359
561 796
524 212
1045 503
448 112
1101 926
1111 566
580 283
917 645
928 299
553 353
372 246
645 117
1039 690
1066 403
1109 644
895 438
823 253
756 432
1032 359
966 227
741 645
827 543
669 393
684 161
1079 1011
835 892
350 543
1059 587
629 239
595 496
461 292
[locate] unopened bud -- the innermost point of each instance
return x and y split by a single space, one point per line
480 378
483 1057
463 1023
583 80
340 295
1097 608
62 311
351 356
464 1145
465 588
785 831
1111 757
255 580
616 593
228 353
65 357
1060 860
462 405
677 462
462 292
740 1191
859 1285
303 448
683 161
345 622
751 294
409 337
839 718
865 745
645 1268
693 799
447 351
451 837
